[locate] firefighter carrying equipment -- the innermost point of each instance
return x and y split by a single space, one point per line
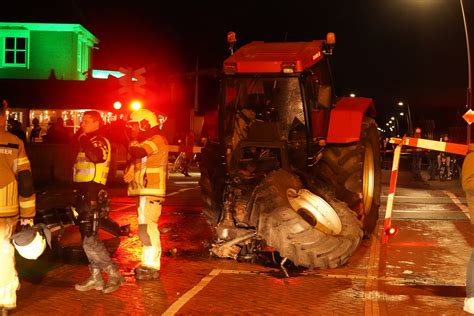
149 172
15 165
30 242
85 170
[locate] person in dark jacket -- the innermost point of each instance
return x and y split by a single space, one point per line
90 176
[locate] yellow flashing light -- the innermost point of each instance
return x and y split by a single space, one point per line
136 105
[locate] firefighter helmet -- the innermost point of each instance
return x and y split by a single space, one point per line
146 119
30 242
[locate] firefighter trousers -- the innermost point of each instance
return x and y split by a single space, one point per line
96 252
8 275
148 213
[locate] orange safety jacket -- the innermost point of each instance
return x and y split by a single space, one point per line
13 160
149 172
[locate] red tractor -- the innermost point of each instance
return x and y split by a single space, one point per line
292 167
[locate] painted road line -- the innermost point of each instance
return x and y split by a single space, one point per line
367 277
123 207
458 203
185 182
176 306
180 191
371 294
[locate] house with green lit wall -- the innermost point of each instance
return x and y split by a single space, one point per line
43 50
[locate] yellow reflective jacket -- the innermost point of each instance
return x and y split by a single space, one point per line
13 160
149 177
467 171
86 170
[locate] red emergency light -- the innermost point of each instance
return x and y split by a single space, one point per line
117 105
391 231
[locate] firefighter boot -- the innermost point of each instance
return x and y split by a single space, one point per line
115 279
146 273
94 282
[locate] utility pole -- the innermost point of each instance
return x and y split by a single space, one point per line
469 87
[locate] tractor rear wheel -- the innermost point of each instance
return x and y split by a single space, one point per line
353 171
294 237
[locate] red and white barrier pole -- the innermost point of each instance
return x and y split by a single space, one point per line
391 194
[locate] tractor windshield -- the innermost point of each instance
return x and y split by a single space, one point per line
263 99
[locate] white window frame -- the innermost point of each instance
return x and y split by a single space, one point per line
15 34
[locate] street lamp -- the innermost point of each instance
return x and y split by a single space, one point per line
409 122
469 90
397 126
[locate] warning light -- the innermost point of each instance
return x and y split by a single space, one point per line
391 231
136 105
117 105
331 38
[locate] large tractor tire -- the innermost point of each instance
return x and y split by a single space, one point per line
353 172
211 182
294 237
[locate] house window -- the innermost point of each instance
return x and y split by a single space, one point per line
16 51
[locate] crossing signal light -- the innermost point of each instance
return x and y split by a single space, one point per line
117 105
391 231
136 105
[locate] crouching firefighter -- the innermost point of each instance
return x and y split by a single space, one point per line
17 200
90 176
146 178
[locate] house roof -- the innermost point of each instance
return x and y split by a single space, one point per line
51 27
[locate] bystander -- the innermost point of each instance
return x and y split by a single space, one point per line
416 157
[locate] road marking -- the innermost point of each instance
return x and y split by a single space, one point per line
185 182
180 191
122 207
393 280
371 294
176 306
458 203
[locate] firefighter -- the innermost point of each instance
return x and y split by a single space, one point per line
17 201
90 176
146 178
467 181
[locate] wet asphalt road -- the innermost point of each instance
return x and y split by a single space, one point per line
420 271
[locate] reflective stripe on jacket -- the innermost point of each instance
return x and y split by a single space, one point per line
87 171
149 176
13 159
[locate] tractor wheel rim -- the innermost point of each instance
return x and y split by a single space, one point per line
368 178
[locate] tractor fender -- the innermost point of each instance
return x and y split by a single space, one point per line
345 120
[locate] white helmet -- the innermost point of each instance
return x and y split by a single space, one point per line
146 119
31 242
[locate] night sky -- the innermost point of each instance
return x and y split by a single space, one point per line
390 50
